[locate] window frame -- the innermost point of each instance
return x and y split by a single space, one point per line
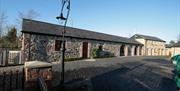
56 46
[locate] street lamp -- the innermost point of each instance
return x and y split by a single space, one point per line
61 17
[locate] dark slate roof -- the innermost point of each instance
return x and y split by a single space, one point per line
33 26
176 44
168 45
147 37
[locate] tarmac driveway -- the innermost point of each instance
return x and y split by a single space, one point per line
123 74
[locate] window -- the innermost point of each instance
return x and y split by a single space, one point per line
100 47
58 45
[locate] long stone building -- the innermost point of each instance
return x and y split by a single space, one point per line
153 46
43 41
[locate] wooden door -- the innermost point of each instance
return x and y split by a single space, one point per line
85 50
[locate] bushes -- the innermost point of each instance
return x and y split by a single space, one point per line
96 53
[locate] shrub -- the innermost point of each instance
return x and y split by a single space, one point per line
96 53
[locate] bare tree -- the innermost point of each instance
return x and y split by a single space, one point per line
171 42
3 18
30 14
178 38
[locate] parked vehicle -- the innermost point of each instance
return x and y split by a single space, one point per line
176 61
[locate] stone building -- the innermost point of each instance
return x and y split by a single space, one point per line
174 49
153 46
42 41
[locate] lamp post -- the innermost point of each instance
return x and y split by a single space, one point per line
61 17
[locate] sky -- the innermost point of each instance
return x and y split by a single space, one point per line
160 18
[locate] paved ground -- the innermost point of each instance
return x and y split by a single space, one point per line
118 74
123 74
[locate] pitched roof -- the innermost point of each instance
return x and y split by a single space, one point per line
147 37
176 44
168 45
33 26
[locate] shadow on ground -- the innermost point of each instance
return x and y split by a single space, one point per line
124 80
157 60
128 76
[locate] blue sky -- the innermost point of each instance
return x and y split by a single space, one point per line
159 18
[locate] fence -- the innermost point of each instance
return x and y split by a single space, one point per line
9 57
14 57
2 57
12 80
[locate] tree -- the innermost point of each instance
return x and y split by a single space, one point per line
31 14
11 36
172 42
3 18
11 39
178 38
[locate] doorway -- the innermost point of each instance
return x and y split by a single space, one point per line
122 48
85 50
135 50
129 50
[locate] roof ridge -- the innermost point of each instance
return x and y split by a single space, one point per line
74 28
34 26
149 37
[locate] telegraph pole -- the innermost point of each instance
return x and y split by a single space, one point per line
65 6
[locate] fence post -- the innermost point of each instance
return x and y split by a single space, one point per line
2 58
23 79
17 72
11 76
4 78
6 57
20 59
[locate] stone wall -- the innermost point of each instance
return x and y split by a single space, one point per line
42 47
39 47
73 49
113 48
152 48
155 48
175 51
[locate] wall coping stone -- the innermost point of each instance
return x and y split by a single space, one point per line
37 64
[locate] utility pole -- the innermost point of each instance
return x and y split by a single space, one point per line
61 17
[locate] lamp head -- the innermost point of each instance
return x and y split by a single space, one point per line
61 17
